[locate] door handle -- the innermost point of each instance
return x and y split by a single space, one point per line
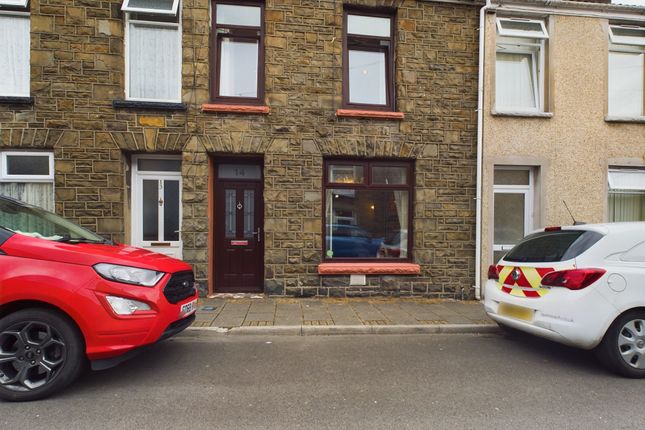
258 233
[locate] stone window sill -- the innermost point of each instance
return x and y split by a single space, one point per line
134 104
377 114
226 108
16 100
495 112
520 113
634 119
369 269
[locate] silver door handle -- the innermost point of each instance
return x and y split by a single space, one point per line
258 234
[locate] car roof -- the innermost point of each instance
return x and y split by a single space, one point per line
610 227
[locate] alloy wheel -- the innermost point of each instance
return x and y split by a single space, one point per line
631 343
31 355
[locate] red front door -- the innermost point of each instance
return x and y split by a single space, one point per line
239 241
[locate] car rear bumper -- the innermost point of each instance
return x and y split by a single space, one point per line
575 318
173 329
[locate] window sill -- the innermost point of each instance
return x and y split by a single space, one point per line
226 108
369 269
495 112
16 100
357 113
134 104
634 119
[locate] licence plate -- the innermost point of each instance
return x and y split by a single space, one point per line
188 308
517 312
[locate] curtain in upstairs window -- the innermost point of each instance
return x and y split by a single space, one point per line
626 83
515 81
154 58
14 56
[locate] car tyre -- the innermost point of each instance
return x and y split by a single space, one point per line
622 349
41 353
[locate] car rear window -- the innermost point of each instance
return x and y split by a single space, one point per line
549 246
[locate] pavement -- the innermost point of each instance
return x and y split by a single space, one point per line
258 314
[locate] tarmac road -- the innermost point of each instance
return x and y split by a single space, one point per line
205 381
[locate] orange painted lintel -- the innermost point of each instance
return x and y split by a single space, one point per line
226 108
357 113
369 269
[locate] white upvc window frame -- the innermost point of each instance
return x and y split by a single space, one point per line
14 3
4 177
178 27
527 190
619 45
509 43
172 11
621 40
519 33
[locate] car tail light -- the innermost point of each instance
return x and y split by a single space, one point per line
492 272
554 228
574 279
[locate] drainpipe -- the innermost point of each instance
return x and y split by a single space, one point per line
480 136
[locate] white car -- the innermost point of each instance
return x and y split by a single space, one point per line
582 286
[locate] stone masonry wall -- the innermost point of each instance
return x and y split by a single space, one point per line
78 70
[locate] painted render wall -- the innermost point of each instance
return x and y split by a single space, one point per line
574 148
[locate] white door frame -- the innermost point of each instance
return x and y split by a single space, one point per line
173 248
528 191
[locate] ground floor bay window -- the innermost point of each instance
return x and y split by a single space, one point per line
367 210
626 195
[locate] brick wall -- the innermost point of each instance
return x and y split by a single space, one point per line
78 70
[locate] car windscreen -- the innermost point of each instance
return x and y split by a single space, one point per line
552 246
33 221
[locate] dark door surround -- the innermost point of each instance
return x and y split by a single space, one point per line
238 215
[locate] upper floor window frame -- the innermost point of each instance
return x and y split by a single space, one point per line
173 10
627 45
370 43
526 42
14 4
161 20
236 32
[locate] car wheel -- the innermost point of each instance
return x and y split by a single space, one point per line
41 352
622 350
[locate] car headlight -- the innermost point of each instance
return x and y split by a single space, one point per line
123 306
128 275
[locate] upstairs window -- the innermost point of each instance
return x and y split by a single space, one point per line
519 65
239 52
157 7
626 71
153 50
14 48
626 194
368 61
29 177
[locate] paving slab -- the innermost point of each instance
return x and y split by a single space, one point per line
248 314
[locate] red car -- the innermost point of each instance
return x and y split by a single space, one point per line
68 296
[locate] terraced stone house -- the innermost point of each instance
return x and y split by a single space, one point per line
288 147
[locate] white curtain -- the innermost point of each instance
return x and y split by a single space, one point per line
626 83
367 82
14 56
515 81
238 68
401 201
37 193
155 59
